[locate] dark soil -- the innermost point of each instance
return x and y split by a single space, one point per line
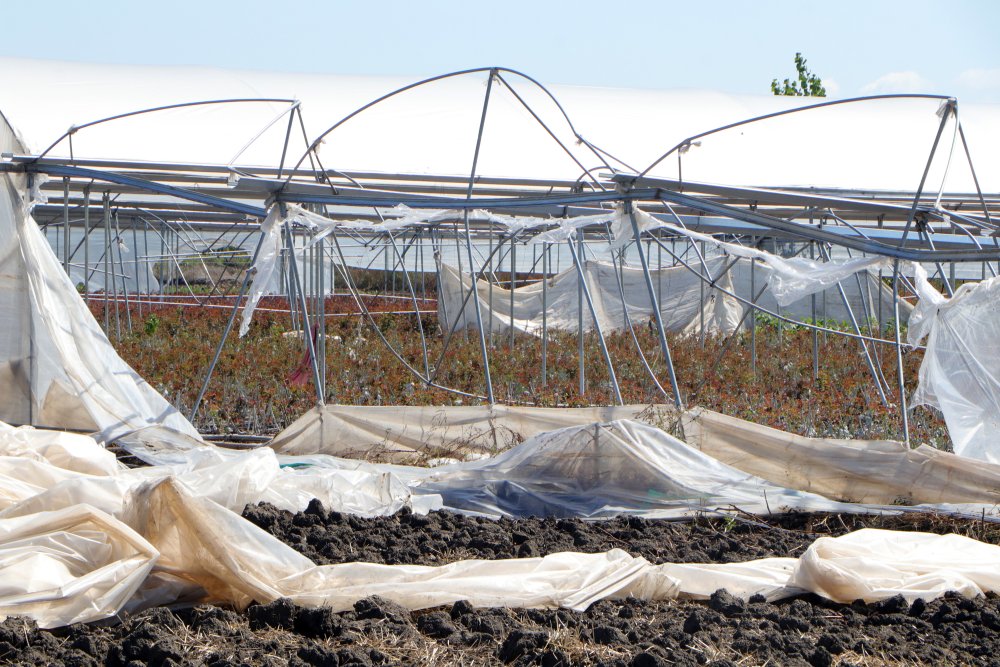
722 631
443 537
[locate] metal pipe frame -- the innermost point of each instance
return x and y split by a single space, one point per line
508 195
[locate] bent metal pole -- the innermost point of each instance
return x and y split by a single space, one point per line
468 241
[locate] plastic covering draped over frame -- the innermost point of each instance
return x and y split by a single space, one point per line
407 433
790 278
57 367
881 472
265 269
960 371
685 302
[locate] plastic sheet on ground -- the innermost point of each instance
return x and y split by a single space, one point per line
604 470
686 302
960 371
70 565
90 545
30 483
881 472
69 451
874 564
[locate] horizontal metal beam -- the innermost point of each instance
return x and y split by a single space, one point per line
827 235
768 196
150 186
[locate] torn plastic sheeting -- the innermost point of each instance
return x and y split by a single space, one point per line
684 301
22 478
211 554
960 371
792 278
877 472
32 482
265 280
72 565
57 367
264 267
237 562
557 229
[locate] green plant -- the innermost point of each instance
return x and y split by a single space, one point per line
806 84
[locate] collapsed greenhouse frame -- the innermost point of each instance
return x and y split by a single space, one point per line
505 214
171 531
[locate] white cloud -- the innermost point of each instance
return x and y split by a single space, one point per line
832 87
980 79
898 82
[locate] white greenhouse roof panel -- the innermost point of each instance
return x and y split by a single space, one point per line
433 128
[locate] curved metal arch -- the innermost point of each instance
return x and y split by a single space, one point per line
786 112
440 77
239 100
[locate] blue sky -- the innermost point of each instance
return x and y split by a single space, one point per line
738 47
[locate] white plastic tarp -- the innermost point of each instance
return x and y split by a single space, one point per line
176 536
604 470
868 298
404 433
960 371
880 472
79 565
884 472
57 367
789 278
267 281
879 564
685 301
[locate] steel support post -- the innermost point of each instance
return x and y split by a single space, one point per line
66 224
513 274
106 205
468 241
546 252
321 314
753 319
657 316
815 332
86 244
582 372
307 329
597 324
901 380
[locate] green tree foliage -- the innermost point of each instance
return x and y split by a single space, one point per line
807 84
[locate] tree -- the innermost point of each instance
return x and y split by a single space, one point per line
807 85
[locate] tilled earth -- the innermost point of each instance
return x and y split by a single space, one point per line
721 631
